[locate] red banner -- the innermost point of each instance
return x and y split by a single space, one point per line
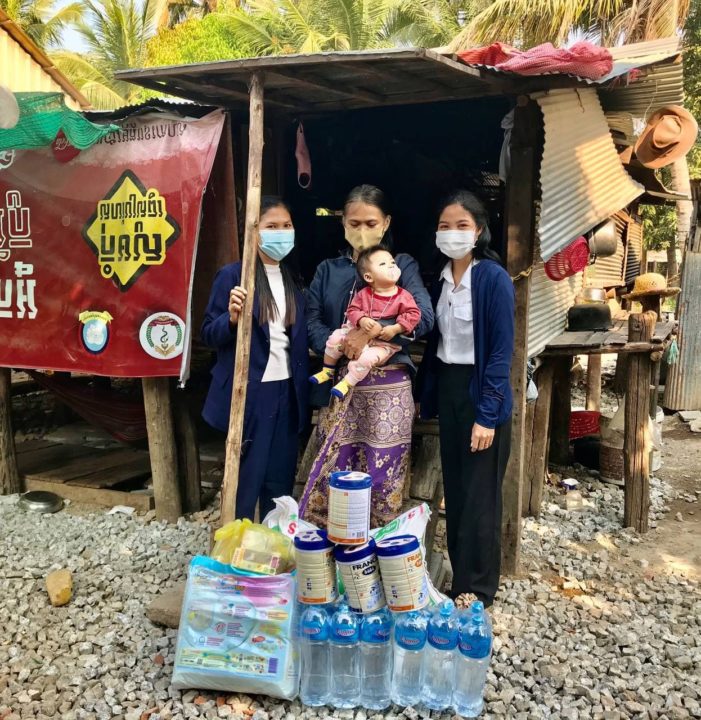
97 248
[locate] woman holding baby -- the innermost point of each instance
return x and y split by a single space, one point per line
370 318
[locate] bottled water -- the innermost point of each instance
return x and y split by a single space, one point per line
376 660
315 650
438 667
345 658
409 642
472 662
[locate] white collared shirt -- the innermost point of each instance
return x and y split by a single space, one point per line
456 340
278 367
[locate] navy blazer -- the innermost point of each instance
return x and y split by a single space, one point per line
218 334
493 325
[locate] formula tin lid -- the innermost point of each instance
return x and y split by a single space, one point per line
399 545
350 480
312 540
354 554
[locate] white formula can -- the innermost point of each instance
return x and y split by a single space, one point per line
316 568
360 573
349 508
403 573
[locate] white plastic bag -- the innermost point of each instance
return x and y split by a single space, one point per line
236 632
285 517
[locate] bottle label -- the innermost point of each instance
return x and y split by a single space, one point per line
443 641
476 647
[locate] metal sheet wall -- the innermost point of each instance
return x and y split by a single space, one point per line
549 302
582 179
634 250
609 271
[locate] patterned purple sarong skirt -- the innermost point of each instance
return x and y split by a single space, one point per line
369 431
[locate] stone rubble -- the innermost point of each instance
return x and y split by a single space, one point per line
581 634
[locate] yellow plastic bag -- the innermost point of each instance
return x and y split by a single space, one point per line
227 539
263 551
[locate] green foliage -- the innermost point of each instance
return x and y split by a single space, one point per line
692 80
195 40
659 225
43 20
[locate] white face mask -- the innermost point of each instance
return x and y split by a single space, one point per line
455 243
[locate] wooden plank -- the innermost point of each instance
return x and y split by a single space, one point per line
248 281
561 409
316 83
109 498
571 339
538 460
188 455
92 467
123 472
161 444
53 456
520 254
636 440
427 461
27 446
628 348
528 445
9 474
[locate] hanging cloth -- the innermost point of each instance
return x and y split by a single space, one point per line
304 161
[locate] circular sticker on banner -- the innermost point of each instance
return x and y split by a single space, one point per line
162 335
95 331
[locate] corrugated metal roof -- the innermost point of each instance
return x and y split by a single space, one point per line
24 67
582 179
657 86
549 302
634 250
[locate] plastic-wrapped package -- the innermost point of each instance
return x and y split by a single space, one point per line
236 632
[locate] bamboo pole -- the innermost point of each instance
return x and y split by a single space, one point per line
248 280
9 475
636 440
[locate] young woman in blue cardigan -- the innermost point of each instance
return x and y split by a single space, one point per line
464 379
276 401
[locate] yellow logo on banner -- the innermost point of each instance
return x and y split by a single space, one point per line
130 230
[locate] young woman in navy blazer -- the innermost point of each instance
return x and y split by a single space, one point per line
464 379
276 401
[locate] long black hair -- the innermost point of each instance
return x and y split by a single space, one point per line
267 307
371 195
470 202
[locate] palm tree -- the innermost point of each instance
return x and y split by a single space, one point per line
42 20
116 33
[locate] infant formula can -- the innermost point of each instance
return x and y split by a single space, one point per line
361 577
316 568
349 508
403 573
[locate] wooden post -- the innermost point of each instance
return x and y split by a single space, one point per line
9 475
161 447
248 281
594 382
520 239
653 303
538 461
188 454
561 410
636 439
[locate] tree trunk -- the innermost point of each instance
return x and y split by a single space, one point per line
680 184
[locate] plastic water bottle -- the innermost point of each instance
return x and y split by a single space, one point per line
409 642
345 658
472 662
315 682
438 667
376 660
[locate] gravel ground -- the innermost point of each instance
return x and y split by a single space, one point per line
588 631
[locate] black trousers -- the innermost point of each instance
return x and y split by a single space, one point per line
472 486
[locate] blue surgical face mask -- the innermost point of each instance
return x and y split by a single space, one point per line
277 244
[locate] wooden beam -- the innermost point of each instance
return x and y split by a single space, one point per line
538 460
520 254
636 437
9 476
161 445
594 382
188 454
97 496
561 410
248 281
315 83
628 348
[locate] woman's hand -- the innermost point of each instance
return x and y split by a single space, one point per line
356 340
369 325
482 438
237 297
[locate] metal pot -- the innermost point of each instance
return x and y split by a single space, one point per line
592 295
603 239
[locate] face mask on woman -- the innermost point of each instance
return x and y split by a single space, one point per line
363 238
277 244
455 243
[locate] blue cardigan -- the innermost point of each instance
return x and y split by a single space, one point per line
493 325
218 334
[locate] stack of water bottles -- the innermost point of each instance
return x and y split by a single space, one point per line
355 651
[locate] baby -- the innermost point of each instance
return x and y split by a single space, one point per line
381 304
